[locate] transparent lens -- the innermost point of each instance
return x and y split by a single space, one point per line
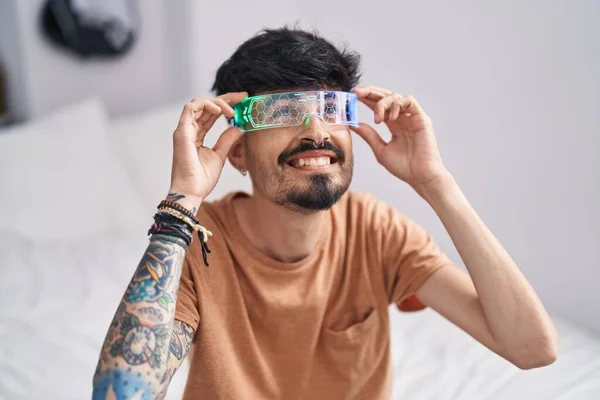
293 109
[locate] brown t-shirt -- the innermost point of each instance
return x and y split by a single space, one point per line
313 329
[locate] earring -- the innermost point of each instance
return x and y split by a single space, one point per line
321 144
243 172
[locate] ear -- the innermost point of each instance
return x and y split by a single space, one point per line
237 154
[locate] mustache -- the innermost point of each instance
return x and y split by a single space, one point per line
325 145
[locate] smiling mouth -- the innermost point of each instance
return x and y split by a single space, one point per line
314 162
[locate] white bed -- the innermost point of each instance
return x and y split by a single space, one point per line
435 360
61 282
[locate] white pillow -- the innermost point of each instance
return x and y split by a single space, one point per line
58 300
145 141
60 178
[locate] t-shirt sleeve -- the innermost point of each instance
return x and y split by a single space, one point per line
410 257
186 309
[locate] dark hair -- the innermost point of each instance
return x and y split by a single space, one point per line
287 58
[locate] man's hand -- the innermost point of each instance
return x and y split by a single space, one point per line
412 154
196 168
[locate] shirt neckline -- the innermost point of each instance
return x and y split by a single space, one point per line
262 258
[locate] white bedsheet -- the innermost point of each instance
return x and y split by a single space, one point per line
433 359
57 300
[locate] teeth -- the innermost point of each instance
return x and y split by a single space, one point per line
314 161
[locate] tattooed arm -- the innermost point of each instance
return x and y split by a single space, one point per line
144 345
181 340
134 357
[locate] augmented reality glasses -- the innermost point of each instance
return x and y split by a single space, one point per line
294 109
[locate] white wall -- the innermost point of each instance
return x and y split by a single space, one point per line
156 70
219 29
513 89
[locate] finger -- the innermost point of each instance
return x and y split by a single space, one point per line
205 123
225 107
373 94
409 105
370 135
233 98
372 104
375 88
394 111
369 92
188 128
194 109
386 92
387 106
226 141
206 116
382 107
204 128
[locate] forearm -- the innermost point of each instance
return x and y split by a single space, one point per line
517 319
136 349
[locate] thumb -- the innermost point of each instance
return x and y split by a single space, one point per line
226 140
370 135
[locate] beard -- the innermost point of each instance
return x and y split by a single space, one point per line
305 193
321 193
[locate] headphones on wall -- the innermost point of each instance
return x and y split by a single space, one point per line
91 27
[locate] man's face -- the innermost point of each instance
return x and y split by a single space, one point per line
287 168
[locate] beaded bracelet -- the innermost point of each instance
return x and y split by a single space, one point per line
178 207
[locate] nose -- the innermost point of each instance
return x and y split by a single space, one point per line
313 130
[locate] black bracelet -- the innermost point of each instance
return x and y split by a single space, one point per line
170 232
182 232
171 222
175 223
171 226
162 216
205 248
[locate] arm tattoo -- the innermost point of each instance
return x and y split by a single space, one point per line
134 361
154 280
139 344
175 196
181 341
120 384
176 347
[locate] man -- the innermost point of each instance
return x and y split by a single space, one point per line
295 302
